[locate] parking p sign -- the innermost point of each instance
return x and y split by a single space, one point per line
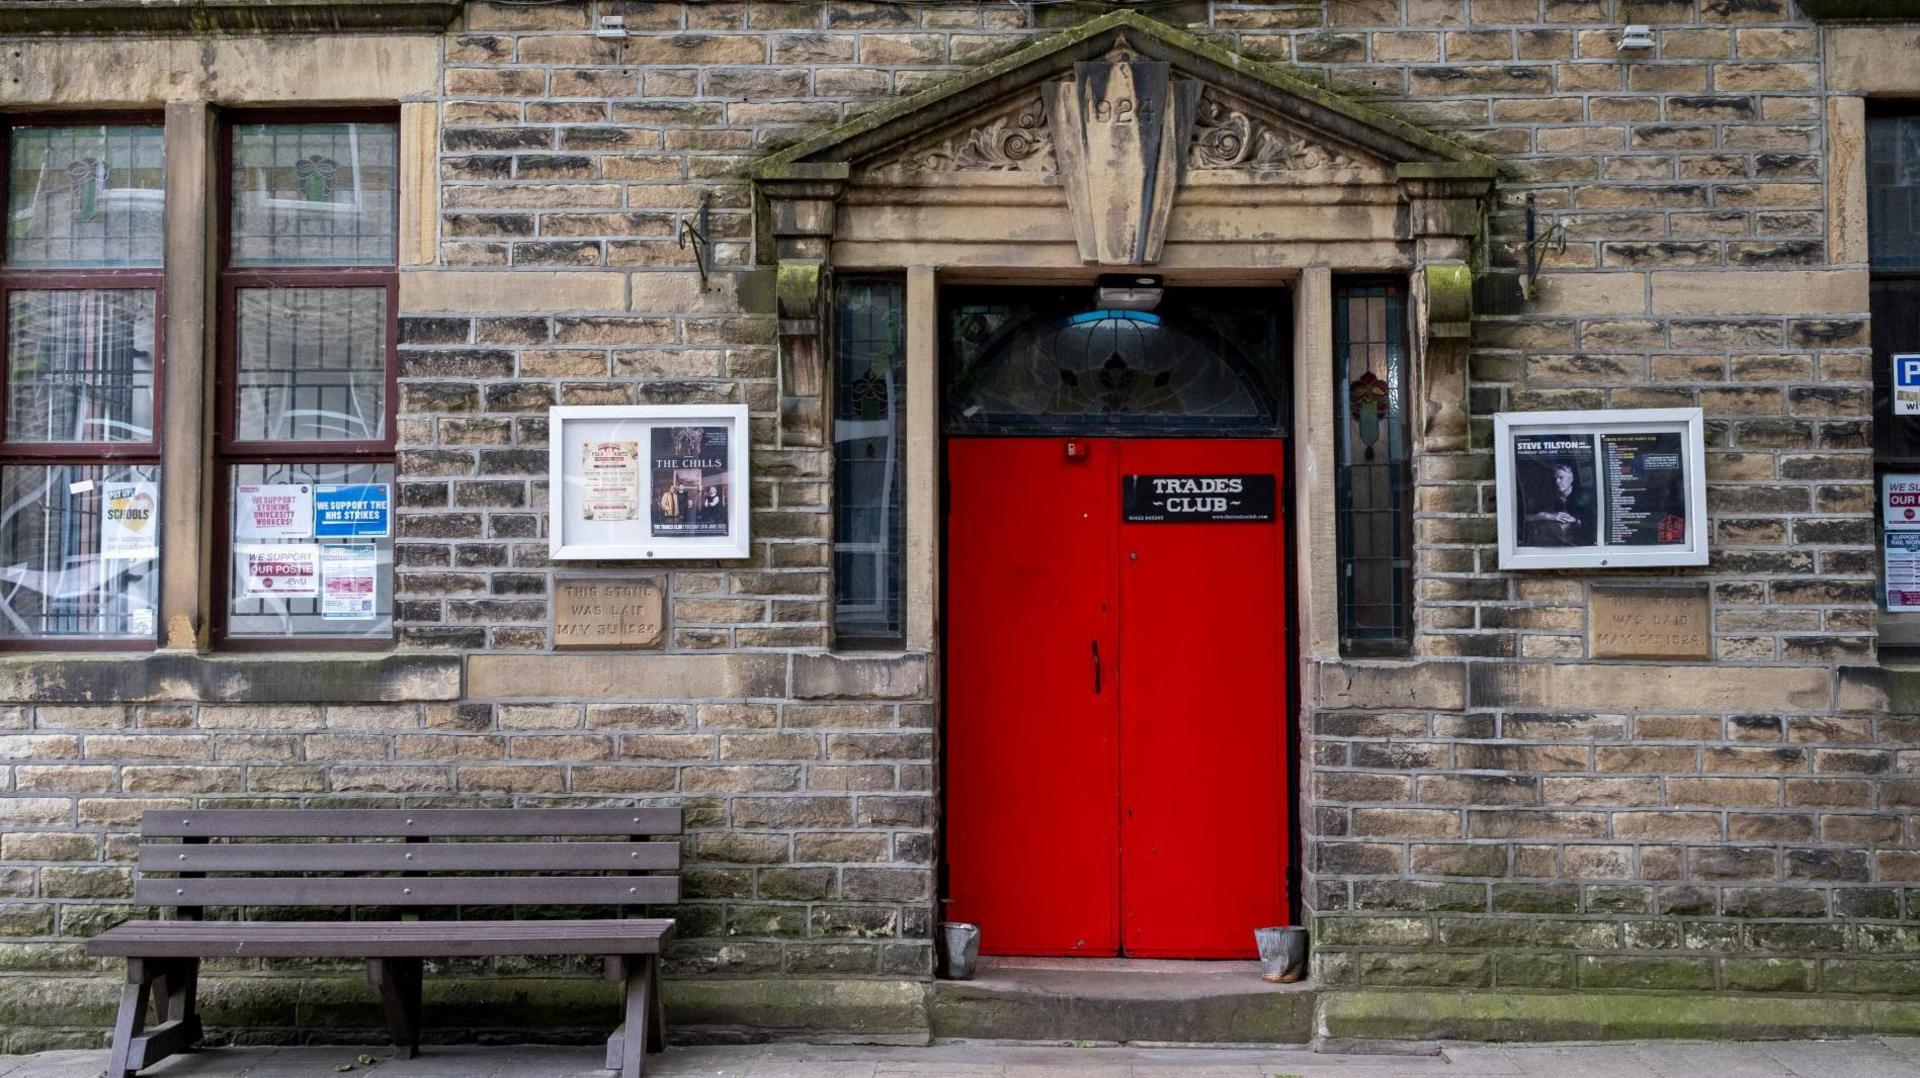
1906 383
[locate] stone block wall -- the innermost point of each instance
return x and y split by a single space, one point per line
1496 812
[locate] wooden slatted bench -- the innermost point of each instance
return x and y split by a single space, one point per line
213 863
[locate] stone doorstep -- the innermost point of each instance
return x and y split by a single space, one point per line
1120 1001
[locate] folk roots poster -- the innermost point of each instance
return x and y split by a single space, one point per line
611 472
690 495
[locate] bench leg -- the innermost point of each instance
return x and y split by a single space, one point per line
174 1001
398 980
640 1033
131 1020
657 1025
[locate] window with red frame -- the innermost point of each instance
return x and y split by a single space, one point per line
305 422
80 277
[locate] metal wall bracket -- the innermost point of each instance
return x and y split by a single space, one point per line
1554 239
700 234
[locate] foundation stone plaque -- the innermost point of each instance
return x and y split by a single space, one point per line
1649 623
609 613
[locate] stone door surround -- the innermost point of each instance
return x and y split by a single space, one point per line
1126 143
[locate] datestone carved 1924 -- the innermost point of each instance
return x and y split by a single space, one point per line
1625 622
1120 131
609 613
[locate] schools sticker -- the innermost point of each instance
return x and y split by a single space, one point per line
129 521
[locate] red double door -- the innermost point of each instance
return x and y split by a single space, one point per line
1116 695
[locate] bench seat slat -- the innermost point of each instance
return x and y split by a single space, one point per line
408 823
408 856
410 891
378 939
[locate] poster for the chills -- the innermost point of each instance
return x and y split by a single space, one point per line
689 491
1646 488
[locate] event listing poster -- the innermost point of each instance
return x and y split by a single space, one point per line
1646 488
349 581
1900 515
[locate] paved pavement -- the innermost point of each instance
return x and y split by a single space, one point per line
1883 1057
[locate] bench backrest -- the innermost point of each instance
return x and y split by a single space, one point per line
422 844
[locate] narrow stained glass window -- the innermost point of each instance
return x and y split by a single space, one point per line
1375 489
869 441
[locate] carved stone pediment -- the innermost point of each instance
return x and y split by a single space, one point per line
1013 137
1227 132
1233 133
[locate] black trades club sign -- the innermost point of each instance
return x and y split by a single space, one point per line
1196 499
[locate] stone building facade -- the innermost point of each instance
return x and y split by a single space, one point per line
661 217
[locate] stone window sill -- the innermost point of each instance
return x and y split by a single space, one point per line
181 677
1902 678
232 16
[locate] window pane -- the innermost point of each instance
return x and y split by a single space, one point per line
316 194
311 365
296 572
1893 192
1374 479
80 366
79 550
869 450
84 196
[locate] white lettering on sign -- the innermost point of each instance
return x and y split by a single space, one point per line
1181 485
1906 383
1216 499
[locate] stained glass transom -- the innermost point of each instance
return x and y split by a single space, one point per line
85 196
1202 360
314 194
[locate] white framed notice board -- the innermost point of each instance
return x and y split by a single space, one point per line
647 482
1610 488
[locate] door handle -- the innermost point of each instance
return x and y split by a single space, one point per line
1096 666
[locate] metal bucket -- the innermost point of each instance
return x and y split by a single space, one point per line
1283 953
962 947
